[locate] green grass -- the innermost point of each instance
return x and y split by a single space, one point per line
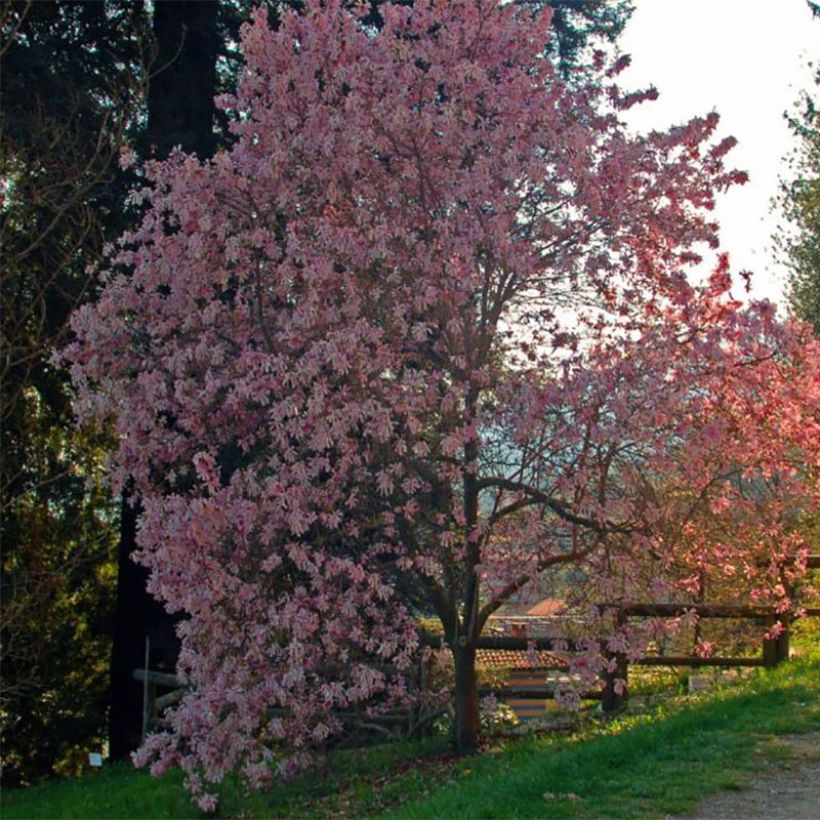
116 791
361 779
637 766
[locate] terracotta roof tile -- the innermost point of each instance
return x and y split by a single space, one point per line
548 607
516 659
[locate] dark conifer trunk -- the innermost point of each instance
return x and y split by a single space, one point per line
181 94
137 616
180 112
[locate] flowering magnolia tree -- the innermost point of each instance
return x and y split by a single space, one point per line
426 327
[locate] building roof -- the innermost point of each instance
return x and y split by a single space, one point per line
516 659
547 608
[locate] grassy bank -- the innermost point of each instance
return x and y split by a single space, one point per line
358 778
641 766
647 765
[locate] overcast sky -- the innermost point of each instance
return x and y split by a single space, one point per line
748 60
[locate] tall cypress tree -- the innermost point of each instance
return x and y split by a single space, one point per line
181 113
71 93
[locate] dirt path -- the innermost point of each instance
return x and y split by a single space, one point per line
787 791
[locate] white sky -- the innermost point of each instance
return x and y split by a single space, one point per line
748 60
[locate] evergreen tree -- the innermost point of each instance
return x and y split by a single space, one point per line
181 111
71 93
577 23
800 203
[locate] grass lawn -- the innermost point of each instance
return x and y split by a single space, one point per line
647 765
642 766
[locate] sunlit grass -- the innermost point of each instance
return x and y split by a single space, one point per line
648 765
640 765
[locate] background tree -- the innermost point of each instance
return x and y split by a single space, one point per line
180 113
799 241
73 96
71 91
579 24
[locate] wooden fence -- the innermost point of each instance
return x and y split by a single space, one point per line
612 697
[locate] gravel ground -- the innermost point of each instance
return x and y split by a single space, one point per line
789 790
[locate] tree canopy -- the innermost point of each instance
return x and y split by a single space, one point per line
81 79
427 320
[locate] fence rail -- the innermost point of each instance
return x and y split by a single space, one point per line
690 660
157 678
510 643
400 722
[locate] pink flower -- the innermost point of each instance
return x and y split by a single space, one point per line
428 324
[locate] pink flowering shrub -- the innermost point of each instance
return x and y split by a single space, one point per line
422 335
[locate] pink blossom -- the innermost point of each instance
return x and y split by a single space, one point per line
430 318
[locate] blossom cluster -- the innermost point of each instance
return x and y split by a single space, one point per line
421 336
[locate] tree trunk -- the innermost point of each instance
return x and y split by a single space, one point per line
180 112
137 615
181 106
467 723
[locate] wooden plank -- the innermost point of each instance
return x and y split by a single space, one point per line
526 710
518 691
164 701
390 718
769 646
702 610
690 660
158 678
505 642
527 694
615 692
527 681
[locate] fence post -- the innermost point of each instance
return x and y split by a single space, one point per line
414 716
770 647
611 699
782 642
416 713
149 692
